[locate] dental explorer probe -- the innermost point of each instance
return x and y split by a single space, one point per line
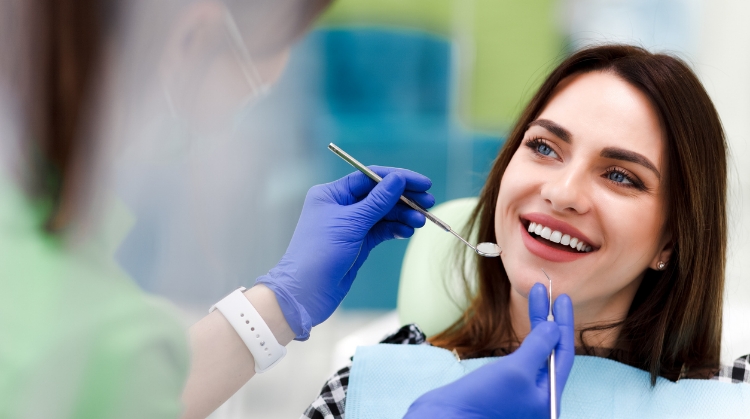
489 250
552 373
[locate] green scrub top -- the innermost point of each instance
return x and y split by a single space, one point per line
79 339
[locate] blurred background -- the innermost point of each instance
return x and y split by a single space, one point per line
429 85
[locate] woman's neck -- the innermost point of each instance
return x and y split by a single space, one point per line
587 315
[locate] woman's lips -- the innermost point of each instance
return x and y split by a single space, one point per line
556 225
547 251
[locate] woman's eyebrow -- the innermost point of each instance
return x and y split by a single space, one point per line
554 128
609 152
631 156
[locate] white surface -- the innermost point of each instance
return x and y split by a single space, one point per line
664 25
736 339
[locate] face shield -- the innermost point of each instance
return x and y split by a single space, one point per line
258 87
209 94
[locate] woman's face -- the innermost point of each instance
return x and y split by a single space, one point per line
589 170
207 70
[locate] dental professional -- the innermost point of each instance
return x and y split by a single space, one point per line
78 339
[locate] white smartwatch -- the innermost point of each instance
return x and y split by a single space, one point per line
258 338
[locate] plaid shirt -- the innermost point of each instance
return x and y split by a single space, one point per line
331 402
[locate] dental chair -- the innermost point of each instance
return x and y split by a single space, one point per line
431 291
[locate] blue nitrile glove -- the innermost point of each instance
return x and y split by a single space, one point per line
340 223
517 385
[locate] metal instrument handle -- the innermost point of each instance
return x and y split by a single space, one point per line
374 176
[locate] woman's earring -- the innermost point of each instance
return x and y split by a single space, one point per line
661 265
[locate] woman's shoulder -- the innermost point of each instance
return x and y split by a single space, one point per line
331 401
738 372
409 334
95 331
94 312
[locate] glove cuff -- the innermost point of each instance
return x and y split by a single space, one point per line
294 313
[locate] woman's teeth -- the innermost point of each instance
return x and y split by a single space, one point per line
557 237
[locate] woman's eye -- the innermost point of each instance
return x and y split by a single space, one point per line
619 178
624 179
545 150
539 146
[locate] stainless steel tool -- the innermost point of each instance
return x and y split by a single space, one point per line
489 250
552 373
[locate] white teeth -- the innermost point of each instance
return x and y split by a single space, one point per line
558 237
546 233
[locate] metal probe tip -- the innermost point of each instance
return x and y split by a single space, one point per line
549 293
552 367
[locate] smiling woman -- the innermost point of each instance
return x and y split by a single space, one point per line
614 181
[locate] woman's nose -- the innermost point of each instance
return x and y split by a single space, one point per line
567 191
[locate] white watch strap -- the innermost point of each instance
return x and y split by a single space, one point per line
253 330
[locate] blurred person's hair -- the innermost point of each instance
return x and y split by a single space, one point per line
673 327
55 49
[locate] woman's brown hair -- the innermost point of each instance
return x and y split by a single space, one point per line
66 52
673 327
70 37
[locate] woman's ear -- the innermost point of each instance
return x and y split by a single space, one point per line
662 257
196 33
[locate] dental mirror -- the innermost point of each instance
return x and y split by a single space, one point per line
488 250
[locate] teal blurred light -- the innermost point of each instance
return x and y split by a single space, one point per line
385 97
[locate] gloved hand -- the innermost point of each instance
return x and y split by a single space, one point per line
517 385
340 223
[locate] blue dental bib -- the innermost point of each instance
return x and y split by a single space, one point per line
385 379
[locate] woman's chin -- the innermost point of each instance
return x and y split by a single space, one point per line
523 282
